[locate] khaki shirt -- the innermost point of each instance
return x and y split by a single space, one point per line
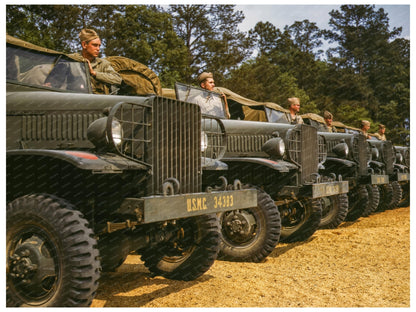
331 128
105 77
297 120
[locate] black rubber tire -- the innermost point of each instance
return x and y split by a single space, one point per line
261 231
358 200
373 200
306 223
334 211
405 202
386 197
191 255
64 272
397 195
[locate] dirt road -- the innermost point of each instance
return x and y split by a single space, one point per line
360 264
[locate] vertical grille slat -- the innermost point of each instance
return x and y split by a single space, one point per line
388 156
303 150
174 147
361 153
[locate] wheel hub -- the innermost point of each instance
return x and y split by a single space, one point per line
32 268
240 225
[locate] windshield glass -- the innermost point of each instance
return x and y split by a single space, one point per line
275 116
45 70
211 103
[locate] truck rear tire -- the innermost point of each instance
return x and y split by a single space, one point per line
52 259
250 234
191 254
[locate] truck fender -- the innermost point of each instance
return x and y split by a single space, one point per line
108 163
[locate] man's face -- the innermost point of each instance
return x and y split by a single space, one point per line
92 48
295 107
208 84
328 121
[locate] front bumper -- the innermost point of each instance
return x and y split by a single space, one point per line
164 208
329 189
403 177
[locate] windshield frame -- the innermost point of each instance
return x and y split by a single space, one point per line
195 95
32 68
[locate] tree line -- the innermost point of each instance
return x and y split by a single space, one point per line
365 74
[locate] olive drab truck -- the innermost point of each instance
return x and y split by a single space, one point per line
366 164
91 178
281 161
387 159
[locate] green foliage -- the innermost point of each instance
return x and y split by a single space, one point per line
365 76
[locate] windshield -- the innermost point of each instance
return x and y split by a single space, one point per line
275 116
45 70
211 103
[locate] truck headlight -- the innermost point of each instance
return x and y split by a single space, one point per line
204 141
341 150
275 147
101 135
116 132
375 153
399 158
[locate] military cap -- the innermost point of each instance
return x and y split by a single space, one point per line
203 76
327 115
88 35
365 123
293 100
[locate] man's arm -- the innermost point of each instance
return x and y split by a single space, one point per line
104 72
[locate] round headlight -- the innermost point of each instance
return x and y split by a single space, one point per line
275 147
399 158
116 132
341 150
204 141
375 153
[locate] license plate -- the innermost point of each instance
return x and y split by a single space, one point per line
161 208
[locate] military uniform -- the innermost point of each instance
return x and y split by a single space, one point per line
294 121
105 77
331 128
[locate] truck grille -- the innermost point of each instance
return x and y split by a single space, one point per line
360 153
165 134
387 154
303 150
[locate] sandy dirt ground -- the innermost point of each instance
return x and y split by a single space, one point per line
360 264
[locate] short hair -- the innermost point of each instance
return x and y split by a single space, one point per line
381 126
327 115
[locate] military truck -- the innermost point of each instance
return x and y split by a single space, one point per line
91 178
372 187
282 160
402 169
386 159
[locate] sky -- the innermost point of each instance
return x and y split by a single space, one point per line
281 14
